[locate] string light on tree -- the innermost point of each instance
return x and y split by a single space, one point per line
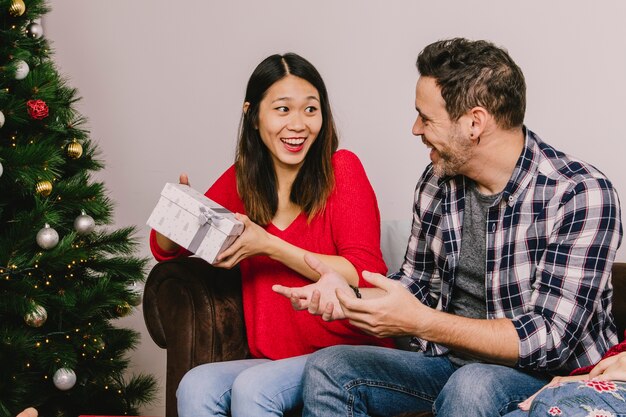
21 69
64 379
84 224
47 238
37 316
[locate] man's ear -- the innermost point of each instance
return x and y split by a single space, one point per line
246 106
478 117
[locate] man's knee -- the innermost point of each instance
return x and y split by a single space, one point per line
473 387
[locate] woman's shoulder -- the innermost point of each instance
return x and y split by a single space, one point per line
345 159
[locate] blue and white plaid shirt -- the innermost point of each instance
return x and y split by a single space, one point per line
551 240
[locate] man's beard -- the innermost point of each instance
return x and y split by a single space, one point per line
452 158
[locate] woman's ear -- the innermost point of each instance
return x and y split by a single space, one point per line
246 106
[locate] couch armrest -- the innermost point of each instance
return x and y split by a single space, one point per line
193 310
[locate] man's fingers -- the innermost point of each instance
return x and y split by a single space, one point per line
378 280
183 179
317 265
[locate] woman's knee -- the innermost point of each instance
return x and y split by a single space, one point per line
200 394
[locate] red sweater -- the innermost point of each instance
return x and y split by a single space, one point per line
348 227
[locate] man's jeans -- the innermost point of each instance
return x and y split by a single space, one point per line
367 380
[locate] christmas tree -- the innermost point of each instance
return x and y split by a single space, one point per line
64 275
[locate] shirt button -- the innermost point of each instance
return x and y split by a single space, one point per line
511 199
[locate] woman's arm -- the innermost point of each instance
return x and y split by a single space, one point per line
351 217
256 241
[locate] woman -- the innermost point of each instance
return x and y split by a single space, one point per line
300 196
594 391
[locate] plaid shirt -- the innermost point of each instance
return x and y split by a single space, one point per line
551 240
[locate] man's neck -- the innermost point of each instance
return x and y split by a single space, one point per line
494 159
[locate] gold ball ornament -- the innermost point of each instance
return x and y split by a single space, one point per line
17 8
123 309
74 149
43 188
37 316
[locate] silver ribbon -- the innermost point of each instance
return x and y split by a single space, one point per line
208 216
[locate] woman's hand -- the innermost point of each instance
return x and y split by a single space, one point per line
253 241
612 368
319 298
525 405
164 242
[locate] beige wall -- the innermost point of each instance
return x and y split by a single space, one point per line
163 82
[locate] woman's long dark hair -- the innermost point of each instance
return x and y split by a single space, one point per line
256 177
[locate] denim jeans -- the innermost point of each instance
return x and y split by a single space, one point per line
579 399
250 387
367 380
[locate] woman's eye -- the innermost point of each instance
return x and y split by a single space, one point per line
283 109
311 109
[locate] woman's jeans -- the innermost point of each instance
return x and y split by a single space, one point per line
368 380
249 387
579 399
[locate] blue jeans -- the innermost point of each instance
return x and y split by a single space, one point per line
579 399
250 387
368 380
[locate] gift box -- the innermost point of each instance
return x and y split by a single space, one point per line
194 221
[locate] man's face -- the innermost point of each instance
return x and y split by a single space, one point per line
450 148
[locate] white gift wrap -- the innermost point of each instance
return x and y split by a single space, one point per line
194 221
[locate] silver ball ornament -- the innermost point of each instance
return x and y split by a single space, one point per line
64 379
34 30
21 69
37 316
1 169
47 238
1 119
136 290
84 224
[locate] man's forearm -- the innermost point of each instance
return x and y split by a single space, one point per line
491 340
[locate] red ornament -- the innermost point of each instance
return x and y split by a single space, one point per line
37 109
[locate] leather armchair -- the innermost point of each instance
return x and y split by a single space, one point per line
195 312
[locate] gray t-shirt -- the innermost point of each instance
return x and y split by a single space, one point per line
468 293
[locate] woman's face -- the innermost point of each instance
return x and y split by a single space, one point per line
290 117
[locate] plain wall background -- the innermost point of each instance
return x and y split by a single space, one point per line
163 82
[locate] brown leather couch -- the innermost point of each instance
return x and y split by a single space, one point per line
194 311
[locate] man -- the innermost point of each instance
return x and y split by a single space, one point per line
507 268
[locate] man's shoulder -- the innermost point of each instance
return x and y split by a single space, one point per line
560 167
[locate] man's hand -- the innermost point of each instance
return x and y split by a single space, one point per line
393 313
318 298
